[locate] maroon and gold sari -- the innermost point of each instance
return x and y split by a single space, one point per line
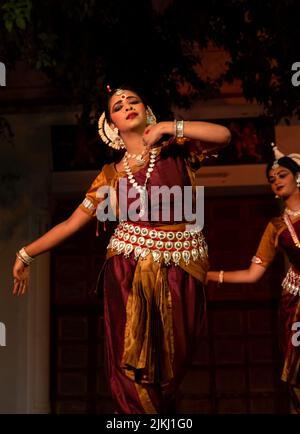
153 312
277 236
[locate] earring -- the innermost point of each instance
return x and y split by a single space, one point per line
109 135
151 119
117 141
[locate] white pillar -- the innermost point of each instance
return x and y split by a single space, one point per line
36 363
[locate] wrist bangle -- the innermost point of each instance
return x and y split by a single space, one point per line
178 127
24 257
221 277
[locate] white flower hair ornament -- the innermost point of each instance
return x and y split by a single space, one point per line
110 136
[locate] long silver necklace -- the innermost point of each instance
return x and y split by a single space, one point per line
141 188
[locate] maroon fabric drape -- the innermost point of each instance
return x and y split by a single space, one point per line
187 305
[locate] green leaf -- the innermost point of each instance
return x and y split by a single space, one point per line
21 23
9 26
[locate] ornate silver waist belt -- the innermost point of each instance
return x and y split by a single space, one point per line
291 282
165 246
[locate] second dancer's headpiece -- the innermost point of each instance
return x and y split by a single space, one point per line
279 155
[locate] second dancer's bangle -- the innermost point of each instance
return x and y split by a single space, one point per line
221 277
24 257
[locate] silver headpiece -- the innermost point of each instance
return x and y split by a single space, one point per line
278 154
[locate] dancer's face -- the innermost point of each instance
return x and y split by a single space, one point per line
127 111
283 181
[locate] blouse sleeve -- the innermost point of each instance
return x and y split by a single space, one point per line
267 247
190 149
92 197
194 153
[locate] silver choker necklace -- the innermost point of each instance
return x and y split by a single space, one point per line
292 213
139 158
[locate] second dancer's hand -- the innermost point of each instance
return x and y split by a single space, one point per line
21 277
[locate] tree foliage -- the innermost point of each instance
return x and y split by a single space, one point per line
84 44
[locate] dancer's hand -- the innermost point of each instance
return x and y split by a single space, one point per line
21 277
153 133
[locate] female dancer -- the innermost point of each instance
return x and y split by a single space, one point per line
282 233
155 267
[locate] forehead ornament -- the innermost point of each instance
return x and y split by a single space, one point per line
120 92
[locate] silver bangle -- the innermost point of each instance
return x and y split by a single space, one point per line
220 277
24 257
179 127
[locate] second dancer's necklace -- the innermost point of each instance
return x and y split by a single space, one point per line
292 213
291 229
141 188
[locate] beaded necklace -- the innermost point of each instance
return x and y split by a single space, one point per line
291 229
139 158
141 188
292 213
